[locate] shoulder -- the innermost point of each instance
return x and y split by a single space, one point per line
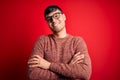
75 40
78 38
43 37
79 41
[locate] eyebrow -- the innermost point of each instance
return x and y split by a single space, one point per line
53 14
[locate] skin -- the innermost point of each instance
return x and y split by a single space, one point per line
59 31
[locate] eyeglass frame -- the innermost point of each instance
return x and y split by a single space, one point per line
53 16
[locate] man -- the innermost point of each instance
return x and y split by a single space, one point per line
59 56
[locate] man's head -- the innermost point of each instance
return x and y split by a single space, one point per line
55 18
51 8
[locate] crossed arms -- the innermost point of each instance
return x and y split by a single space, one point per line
79 67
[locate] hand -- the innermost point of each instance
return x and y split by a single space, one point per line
77 58
37 61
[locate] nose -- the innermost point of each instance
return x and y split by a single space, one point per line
53 19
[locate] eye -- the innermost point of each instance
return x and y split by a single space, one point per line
56 16
48 19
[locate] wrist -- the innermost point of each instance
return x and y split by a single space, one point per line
48 65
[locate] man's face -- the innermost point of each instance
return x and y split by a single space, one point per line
56 21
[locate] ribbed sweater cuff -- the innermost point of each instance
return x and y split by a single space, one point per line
53 67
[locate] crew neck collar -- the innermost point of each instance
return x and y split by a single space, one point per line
61 38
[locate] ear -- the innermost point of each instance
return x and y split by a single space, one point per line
64 17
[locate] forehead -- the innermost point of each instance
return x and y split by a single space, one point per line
51 13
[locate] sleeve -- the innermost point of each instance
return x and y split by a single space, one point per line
75 71
38 73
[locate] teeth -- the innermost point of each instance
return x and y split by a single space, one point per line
55 24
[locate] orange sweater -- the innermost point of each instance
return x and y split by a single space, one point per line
59 51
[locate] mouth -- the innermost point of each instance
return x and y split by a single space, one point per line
55 24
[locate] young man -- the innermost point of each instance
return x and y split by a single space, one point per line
59 56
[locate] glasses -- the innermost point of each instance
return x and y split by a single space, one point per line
55 16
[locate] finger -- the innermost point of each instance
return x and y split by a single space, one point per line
35 56
34 65
75 59
33 59
82 56
72 62
79 61
78 57
32 62
78 53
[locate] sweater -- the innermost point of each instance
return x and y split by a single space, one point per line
59 51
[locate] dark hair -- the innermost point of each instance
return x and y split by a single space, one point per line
50 9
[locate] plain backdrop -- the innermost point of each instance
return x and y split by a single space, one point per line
97 21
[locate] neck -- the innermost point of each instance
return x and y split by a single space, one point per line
61 34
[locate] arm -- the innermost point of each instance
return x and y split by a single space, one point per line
39 62
79 67
36 73
81 70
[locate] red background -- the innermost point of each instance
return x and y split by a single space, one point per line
98 22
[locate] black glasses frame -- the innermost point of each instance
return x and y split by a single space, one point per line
55 16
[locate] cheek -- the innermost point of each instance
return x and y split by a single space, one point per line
62 19
49 24
62 22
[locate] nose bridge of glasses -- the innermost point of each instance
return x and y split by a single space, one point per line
53 19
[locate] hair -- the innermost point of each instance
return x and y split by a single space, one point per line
50 9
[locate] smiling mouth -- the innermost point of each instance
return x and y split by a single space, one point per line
55 24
